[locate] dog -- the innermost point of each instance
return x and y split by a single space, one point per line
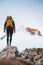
33 31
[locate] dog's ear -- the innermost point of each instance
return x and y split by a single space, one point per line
39 33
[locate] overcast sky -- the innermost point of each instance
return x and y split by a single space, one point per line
24 12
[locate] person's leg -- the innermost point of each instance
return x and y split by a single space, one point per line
7 37
10 38
11 33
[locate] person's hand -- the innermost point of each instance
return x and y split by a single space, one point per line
4 31
14 31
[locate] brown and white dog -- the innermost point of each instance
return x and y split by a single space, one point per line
33 31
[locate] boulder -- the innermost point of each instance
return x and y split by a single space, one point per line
9 51
11 56
34 55
13 61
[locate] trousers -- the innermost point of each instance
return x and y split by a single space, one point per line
9 31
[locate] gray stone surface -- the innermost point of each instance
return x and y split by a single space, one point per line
32 56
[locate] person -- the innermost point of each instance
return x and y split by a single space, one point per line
9 26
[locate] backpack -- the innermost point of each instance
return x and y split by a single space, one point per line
9 23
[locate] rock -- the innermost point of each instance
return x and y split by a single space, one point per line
35 55
37 63
36 58
13 61
9 51
32 56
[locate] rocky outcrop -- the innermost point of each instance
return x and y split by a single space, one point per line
35 55
11 56
9 51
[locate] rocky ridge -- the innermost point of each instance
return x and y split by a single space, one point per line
32 56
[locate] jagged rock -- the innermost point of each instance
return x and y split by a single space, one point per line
13 61
34 55
37 63
9 51
11 55
37 58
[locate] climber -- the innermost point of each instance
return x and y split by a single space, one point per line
9 26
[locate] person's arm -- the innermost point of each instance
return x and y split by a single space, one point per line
13 26
4 26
